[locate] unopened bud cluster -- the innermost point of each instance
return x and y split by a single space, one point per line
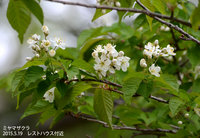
152 51
108 60
41 46
108 3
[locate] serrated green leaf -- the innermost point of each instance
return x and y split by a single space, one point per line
35 8
168 82
193 55
130 87
17 79
196 86
174 105
82 64
145 89
19 17
72 92
33 74
195 18
159 5
103 105
40 106
34 62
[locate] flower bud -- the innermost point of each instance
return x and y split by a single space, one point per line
37 55
180 122
187 115
103 11
156 42
143 63
28 58
45 30
121 53
117 4
52 53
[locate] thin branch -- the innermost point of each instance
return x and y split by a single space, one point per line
123 9
115 90
102 81
147 12
170 25
116 127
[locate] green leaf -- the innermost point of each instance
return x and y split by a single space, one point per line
124 4
168 82
193 55
148 5
35 8
33 74
64 53
98 13
47 114
139 21
71 92
43 86
145 89
72 71
196 86
19 17
17 79
130 87
81 64
61 86
86 35
174 105
40 106
195 18
34 62
103 105
159 5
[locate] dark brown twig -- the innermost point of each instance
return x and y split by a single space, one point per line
170 25
116 127
147 12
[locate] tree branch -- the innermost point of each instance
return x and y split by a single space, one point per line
115 90
170 25
123 9
116 127
147 12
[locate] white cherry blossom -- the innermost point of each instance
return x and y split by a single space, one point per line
52 52
154 70
57 42
46 43
49 95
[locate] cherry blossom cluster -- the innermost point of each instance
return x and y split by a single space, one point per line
152 51
46 45
108 60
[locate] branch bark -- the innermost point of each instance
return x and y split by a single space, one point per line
147 12
170 25
117 91
116 127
